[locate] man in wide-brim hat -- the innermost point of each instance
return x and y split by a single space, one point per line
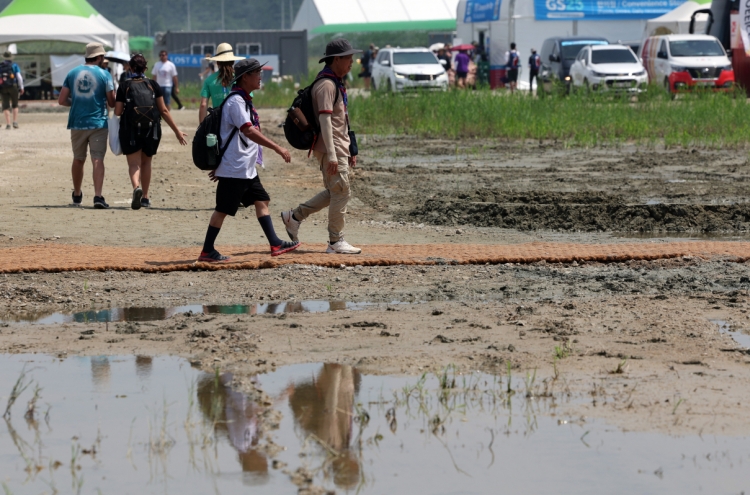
332 149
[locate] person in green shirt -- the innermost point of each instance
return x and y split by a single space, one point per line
219 84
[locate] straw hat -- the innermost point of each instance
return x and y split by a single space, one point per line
94 50
224 53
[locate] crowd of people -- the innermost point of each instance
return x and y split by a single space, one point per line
141 104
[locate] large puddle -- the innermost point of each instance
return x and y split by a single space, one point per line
156 425
153 314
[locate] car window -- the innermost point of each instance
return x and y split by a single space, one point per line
696 48
408 58
382 56
663 47
570 49
613 57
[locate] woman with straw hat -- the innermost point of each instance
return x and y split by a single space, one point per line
219 84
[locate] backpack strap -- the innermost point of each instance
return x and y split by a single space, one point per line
235 128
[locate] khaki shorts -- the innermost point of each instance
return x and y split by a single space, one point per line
10 97
94 139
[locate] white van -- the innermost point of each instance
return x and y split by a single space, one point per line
682 62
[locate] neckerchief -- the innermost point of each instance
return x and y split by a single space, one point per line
249 99
136 75
254 117
329 74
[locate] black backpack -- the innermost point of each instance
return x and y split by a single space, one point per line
141 112
7 76
301 124
209 157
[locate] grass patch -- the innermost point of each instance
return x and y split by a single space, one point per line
703 120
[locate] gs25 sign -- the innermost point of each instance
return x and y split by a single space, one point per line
551 10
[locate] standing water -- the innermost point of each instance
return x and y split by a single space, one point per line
155 425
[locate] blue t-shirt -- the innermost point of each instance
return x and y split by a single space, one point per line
88 85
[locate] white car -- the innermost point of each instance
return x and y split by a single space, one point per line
608 68
398 69
682 62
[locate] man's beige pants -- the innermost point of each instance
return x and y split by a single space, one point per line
335 196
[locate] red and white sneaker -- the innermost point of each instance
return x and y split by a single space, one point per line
285 247
213 257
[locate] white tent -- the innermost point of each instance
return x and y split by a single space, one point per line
336 16
59 20
678 20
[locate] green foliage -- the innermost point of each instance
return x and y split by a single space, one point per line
704 119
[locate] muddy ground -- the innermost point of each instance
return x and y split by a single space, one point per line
638 340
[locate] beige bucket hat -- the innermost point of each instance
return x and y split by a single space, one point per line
224 53
94 50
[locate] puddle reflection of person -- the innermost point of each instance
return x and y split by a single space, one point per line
100 372
235 416
324 407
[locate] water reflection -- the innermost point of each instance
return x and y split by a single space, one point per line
156 314
143 365
235 417
100 373
323 408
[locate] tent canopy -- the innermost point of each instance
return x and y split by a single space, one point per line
59 20
335 16
677 21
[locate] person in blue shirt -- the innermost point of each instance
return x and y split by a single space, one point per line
11 86
88 90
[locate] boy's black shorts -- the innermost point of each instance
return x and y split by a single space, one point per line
512 75
231 193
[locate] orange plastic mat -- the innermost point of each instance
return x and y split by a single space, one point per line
65 257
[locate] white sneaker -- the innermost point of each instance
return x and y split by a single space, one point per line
292 225
342 247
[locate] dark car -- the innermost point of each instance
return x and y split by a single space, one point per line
558 54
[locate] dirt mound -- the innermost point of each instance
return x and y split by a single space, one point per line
66 257
582 212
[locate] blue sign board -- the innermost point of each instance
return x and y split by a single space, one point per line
482 10
602 10
180 60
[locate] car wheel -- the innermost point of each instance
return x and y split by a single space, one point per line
669 89
389 86
586 85
373 84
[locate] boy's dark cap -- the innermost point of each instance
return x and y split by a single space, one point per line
246 66
338 48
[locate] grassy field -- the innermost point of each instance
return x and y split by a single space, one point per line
705 120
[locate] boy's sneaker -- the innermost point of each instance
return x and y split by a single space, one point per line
7 127
213 257
342 247
77 200
99 203
145 203
15 125
292 225
137 196
285 247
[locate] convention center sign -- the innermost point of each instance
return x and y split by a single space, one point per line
482 11
602 10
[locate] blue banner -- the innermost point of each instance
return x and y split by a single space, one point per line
601 10
180 60
482 10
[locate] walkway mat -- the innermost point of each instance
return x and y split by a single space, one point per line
65 257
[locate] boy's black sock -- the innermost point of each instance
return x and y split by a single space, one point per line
208 245
267 224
